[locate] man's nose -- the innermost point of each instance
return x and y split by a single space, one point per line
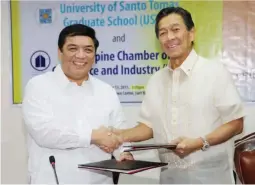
80 53
170 35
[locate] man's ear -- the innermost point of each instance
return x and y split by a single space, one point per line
60 55
192 34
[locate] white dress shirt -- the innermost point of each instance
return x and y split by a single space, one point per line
192 101
59 116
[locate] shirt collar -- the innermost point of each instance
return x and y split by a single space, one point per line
65 82
188 63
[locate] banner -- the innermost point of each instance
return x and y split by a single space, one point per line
129 52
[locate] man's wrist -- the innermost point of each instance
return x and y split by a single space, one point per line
200 143
124 135
206 144
94 136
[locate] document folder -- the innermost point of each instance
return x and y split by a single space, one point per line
137 147
127 166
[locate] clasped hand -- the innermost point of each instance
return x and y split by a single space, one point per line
106 139
186 146
109 140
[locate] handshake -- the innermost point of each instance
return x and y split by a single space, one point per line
108 139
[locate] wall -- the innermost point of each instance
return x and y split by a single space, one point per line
13 149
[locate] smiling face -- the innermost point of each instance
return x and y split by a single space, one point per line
77 57
175 39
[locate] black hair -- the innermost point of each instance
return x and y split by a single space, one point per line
77 30
177 10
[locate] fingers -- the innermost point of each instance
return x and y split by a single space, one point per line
181 154
117 140
112 140
126 156
118 133
110 143
180 150
130 157
185 146
181 146
108 139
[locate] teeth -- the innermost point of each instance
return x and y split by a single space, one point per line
79 64
172 46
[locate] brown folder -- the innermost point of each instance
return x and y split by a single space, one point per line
127 166
137 147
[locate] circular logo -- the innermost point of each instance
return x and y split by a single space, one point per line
40 60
